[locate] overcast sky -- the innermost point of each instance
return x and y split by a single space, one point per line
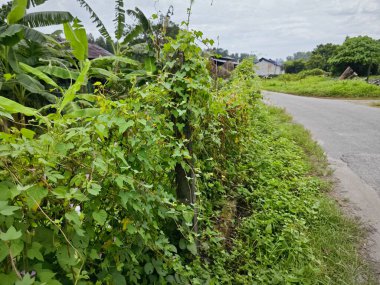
268 28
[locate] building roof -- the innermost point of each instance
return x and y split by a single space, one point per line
269 60
223 60
95 51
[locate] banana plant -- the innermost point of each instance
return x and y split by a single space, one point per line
20 46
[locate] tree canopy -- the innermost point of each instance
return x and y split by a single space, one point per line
362 53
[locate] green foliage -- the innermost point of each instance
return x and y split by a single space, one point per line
321 55
77 37
295 66
89 187
361 53
322 87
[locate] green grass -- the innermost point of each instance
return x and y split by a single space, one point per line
322 87
335 239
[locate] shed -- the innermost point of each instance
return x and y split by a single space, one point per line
268 67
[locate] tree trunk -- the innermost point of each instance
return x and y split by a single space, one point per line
369 72
347 73
185 179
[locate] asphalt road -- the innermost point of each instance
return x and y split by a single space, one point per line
347 131
350 135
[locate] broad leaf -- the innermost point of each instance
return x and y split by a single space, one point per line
150 65
46 18
14 107
104 73
116 58
11 234
100 217
39 74
77 37
70 93
59 72
11 35
17 12
34 86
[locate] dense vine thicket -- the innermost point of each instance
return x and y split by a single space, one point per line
152 178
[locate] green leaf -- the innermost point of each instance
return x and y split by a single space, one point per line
192 247
4 251
46 18
8 190
59 72
94 189
17 12
34 196
34 252
67 257
11 35
150 65
73 217
39 74
104 73
7 210
118 279
26 280
125 125
26 133
83 113
69 95
34 86
14 107
148 268
115 58
77 37
11 234
17 246
100 217
188 216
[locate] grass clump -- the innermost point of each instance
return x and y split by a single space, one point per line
321 87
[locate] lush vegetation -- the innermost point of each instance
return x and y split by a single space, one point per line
361 53
122 171
321 86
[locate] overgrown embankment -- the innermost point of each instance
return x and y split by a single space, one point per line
320 86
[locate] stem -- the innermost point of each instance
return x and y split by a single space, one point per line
14 266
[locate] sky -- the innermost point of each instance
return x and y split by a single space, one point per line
267 28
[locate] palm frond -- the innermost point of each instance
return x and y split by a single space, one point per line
95 19
140 16
34 35
35 3
119 18
46 18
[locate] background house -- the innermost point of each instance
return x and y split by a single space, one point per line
267 67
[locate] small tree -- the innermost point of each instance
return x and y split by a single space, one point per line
321 55
362 53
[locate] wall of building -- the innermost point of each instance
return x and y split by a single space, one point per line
264 68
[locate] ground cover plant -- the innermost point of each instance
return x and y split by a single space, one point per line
321 86
157 178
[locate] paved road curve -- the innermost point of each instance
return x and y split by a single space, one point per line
350 135
347 131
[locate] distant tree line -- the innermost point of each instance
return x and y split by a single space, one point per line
361 53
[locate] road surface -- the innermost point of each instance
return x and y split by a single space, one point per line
350 136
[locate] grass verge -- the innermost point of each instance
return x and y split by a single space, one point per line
335 238
318 86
